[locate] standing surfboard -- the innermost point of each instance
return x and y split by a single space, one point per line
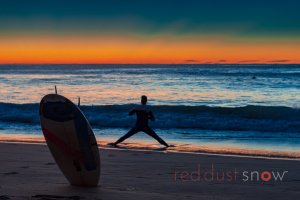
70 139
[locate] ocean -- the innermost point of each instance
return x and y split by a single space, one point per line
243 106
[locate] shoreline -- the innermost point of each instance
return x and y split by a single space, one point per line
179 148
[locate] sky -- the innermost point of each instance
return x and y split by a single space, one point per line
149 31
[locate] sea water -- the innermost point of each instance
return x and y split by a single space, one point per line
248 106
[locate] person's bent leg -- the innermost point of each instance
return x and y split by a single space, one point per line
150 132
130 133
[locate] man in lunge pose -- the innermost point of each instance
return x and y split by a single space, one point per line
143 115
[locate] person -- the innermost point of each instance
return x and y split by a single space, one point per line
143 115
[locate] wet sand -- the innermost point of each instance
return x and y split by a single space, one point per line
28 171
211 149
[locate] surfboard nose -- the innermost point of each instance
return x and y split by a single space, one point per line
58 111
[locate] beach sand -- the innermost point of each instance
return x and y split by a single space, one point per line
28 171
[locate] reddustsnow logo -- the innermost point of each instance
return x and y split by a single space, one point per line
219 175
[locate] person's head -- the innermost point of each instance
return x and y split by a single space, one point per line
144 99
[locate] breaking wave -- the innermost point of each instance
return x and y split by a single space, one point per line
247 118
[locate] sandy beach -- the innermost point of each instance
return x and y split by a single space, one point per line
28 171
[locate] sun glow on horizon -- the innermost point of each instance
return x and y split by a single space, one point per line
162 49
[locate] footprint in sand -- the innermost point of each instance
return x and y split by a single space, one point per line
50 163
4 197
10 173
122 188
55 197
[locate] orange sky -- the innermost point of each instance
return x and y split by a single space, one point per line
155 49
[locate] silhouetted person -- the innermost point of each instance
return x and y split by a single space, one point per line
143 115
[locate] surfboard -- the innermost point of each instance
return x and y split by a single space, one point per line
70 139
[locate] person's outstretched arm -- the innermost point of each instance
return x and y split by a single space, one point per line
151 116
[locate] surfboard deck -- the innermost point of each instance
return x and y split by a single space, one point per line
70 139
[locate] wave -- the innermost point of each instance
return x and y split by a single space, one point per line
247 118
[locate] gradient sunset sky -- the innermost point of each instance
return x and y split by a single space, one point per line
152 31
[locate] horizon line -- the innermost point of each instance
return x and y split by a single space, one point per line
240 63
